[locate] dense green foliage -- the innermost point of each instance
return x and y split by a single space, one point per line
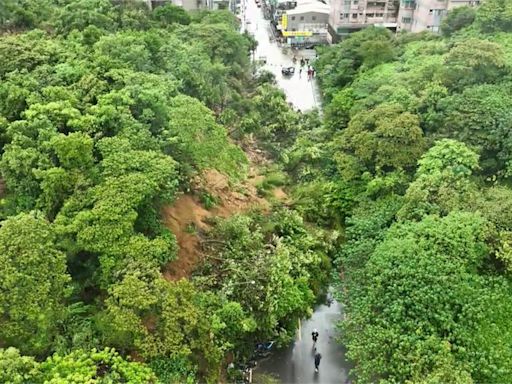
271 265
416 144
108 112
105 366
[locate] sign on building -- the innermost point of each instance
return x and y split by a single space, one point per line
284 21
297 33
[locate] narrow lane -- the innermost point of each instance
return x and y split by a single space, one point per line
295 364
303 94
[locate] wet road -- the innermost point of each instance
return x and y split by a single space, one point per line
295 364
303 94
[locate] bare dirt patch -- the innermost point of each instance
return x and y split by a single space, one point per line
187 218
185 215
280 194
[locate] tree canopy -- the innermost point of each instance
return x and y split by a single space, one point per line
109 113
416 144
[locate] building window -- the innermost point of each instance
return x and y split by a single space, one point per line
430 11
302 18
370 14
355 2
293 18
379 15
313 18
406 20
354 15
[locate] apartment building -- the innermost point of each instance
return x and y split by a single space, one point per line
427 15
347 16
194 5
306 24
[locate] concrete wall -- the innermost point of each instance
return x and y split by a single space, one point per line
308 21
189 5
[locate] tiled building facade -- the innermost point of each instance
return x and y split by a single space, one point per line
426 15
347 16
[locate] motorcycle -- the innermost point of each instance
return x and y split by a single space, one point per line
263 350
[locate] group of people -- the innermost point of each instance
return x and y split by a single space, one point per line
318 356
304 62
311 72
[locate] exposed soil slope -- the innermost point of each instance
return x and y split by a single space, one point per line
188 219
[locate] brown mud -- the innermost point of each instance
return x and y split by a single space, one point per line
187 218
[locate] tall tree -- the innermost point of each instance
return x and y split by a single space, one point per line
385 138
33 282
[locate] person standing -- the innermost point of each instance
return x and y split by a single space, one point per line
318 357
314 336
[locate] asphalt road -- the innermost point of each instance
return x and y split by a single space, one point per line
295 364
303 94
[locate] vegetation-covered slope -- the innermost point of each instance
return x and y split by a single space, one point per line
108 112
412 164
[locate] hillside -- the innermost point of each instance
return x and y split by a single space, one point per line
416 152
142 217
163 208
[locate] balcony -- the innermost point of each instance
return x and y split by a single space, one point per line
408 4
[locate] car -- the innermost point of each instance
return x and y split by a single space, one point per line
287 71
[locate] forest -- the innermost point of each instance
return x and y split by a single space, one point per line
109 114
414 157
398 194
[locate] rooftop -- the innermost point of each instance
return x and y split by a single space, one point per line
315 6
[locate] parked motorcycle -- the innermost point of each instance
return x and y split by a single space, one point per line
263 350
